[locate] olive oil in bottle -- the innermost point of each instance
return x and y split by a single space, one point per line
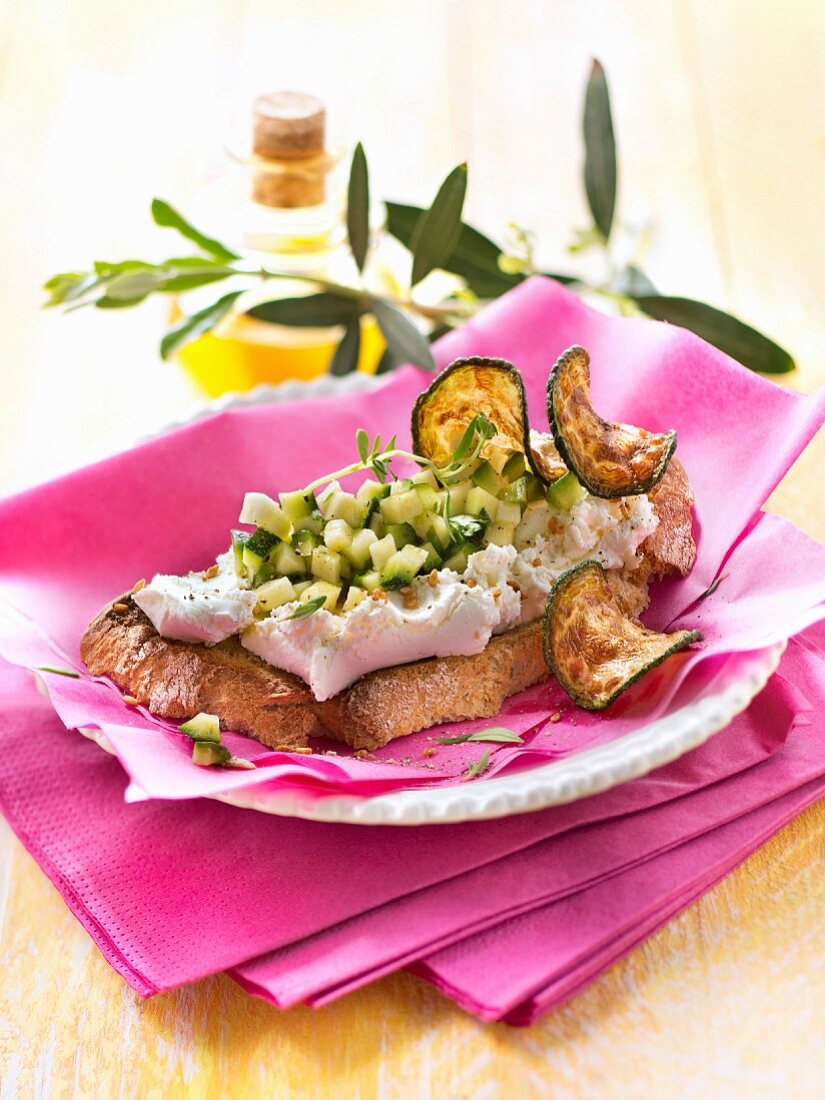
282 207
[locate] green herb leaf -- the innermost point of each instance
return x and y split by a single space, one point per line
358 207
727 333
58 671
437 233
105 302
345 357
312 311
308 608
479 428
189 328
468 528
477 767
599 151
362 441
474 258
69 286
499 734
404 341
712 588
633 282
164 215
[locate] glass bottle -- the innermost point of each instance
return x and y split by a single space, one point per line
282 206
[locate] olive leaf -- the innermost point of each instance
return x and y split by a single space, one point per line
599 151
196 324
437 232
386 363
167 217
312 311
404 341
345 357
727 333
358 207
474 258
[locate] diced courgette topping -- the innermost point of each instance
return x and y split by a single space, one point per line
203 727
610 460
207 751
486 479
594 650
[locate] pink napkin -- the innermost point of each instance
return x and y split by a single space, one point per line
581 852
168 505
147 880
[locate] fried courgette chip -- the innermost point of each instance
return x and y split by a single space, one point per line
594 650
610 460
464 389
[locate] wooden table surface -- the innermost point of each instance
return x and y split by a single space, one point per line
718 112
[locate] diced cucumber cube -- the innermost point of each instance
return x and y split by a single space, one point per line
457 496
206 754
203 727
497 456
372 490
427 495
313 523
338 535
403 485
401 508
402 533
274 594
287 562
432 560
566 492
487 478
368 581
304 542
325 495
516 491
326 564
354 597
298 504
424 477
508 513
458 561
382 551
377 525
515 467
359 549
402 567
479 500
439 534
500 534
262 510
261 542
345 506
330 592
239 540
301 587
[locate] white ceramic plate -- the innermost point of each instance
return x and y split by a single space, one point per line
577 776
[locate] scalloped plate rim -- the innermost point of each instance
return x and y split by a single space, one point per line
577 776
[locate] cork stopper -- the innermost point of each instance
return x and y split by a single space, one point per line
288 137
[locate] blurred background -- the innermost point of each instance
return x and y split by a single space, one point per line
717 106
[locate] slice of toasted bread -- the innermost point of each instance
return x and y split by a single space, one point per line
178 679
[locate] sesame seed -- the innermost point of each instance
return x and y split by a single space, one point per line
429 752
555 717
139 585
120 607
471 582
305 751
536 562
130 700
432 580
211 572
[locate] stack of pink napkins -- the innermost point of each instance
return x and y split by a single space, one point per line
508 917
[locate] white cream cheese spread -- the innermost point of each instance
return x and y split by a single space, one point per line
447 615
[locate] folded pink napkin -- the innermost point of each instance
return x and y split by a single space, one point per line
147 879
168 505
581 853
